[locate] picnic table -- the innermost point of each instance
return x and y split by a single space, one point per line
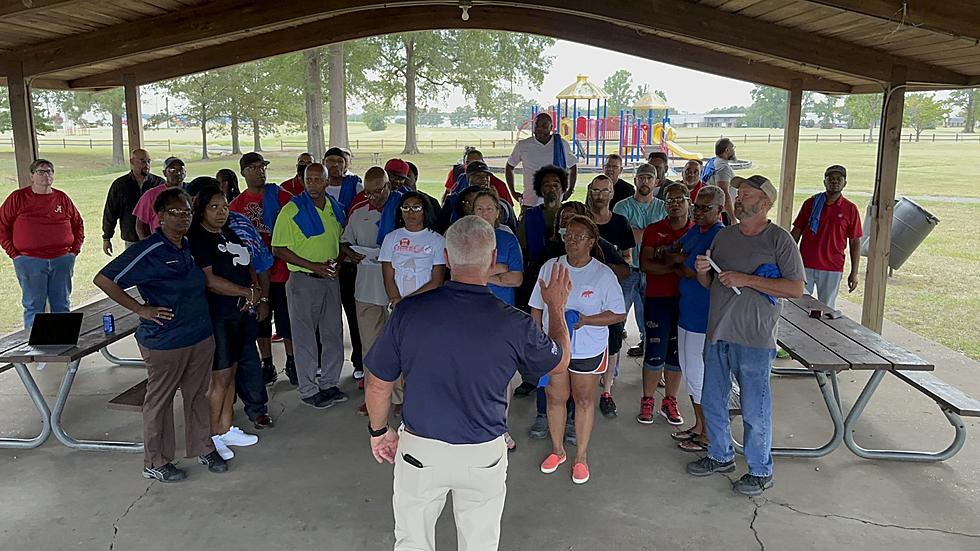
826 347
91 339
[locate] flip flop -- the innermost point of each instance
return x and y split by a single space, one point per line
684 435
693 445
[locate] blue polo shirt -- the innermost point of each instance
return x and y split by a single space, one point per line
694 296
165 276
509 253
458 347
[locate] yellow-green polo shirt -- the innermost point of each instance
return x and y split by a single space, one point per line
319 248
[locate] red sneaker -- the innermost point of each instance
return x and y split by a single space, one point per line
276 337
580 473
646 411
668 408
552 462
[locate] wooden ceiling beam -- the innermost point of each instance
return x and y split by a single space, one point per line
955 17
14 8
564 26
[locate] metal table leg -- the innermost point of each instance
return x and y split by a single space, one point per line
123 362
59 431
836 416
42 408
790 370
959 437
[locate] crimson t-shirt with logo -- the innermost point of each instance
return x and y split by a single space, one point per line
660 234
839 222
250 205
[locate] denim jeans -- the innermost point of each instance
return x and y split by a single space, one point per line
44 281
249 383
826 283
633 288
750 367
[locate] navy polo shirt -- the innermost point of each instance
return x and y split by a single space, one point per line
458 347
165 276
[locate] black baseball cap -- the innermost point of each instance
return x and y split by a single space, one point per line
250 158
476 167
835 168
171 160
334 151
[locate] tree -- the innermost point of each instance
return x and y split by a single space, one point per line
376 116
863 111
462 116
618 86
729 109
967 101
435 62
512 110
313 96
431 117
768 109
205 95
109 103
826 111
922 111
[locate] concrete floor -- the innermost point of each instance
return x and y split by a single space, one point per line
311 483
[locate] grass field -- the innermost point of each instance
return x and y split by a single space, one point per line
934 294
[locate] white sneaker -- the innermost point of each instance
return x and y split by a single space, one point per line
236 437
223 450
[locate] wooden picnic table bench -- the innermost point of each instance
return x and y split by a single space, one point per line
91 338
827 346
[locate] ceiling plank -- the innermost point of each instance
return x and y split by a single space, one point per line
957 17
566 26
14 8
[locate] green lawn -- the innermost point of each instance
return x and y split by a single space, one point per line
934 294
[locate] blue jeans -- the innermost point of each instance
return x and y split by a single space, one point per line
634 286
239 342
826 283
750 368
44 281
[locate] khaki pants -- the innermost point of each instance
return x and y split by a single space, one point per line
476 474
190 369
371 319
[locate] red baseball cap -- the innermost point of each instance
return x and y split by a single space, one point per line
397 166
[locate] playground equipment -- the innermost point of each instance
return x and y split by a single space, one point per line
589 131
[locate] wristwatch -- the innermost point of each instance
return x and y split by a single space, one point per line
377 433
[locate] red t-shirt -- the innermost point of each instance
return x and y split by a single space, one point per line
250 205
293 185
660 234
40 225
839 222
694 191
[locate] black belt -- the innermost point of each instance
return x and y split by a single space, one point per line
314 276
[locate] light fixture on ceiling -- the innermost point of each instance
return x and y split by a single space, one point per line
465 5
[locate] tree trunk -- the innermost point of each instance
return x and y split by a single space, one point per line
118 156
338 97
256 135
969 116
204 140
918 132
411 110
236 146
313 91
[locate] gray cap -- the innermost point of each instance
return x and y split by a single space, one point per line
646 168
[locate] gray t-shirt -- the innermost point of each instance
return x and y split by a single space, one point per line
749 319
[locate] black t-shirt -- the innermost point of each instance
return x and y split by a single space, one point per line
227 257
621 190
618 232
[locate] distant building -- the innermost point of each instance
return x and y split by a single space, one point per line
954 122
723 120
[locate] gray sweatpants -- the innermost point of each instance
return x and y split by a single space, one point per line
315 303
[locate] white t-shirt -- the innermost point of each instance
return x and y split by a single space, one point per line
412 255
595 289
334 191
362 233
532 155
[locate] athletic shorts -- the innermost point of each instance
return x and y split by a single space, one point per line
590 366
660 351
616 337
279 310
231 336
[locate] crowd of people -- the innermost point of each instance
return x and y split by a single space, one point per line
223 272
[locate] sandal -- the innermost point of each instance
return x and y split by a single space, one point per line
693 445
685 435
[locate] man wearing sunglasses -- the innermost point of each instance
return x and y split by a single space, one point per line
147 220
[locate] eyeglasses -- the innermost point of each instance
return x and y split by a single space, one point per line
702 208
376 193
675 200
576 237
180 213
599 191
175 169
44 171
411 208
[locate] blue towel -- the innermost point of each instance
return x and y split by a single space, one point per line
348 190
709 170
770 271
262 259
270 205
534 233
386 224
558 158
461 183
308 219
571 318
819 200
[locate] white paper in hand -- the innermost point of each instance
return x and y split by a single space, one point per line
707 254
370 254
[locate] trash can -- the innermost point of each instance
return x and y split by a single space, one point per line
911 224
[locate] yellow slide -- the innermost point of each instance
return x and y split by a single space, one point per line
679 151
676 150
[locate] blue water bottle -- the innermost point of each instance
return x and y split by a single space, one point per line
108 323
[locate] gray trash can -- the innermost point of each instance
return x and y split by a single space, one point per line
911 224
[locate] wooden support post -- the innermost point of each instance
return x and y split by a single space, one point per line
134 112
21 122
883 201
791 150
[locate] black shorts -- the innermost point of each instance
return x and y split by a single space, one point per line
616 337
590 366
278 309
231 339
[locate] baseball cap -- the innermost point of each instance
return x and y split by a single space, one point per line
198 184
835 168
171 160
249 158
646 168
334 151
758 182
477 166
397 166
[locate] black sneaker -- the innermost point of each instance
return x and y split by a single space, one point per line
606 405
752 485
707 466
332 396
525 389
635 351
269 375
166 473
214 462
291 372
316 401
539 430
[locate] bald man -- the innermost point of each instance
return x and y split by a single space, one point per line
123 195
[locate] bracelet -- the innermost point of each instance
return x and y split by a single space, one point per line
379 432
264 300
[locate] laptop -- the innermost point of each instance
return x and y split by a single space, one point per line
53 333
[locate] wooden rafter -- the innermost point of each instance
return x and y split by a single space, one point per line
11 8
956 17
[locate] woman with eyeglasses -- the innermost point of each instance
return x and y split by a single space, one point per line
236 301
413 256
595 303
174 336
